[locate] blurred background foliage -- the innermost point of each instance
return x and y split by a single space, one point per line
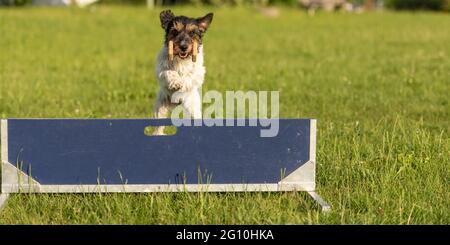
434 5
418 4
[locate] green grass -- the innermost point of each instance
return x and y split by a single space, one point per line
378 83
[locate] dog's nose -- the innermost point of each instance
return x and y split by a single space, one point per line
184 47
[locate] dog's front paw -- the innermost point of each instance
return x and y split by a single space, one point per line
174 81
177 98
175 85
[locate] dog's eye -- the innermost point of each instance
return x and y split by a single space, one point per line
193 32
174 31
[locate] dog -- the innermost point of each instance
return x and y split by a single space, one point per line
179 68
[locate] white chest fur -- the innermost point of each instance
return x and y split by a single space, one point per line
191 73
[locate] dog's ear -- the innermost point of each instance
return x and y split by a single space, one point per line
205 21
166 16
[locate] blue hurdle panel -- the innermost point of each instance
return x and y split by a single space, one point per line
114 155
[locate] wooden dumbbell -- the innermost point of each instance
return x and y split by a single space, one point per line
170 50
194 51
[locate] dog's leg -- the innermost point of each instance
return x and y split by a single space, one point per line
193 104
162 107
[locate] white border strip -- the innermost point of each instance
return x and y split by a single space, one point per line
4 139
157 188
4 151
312 140
312 149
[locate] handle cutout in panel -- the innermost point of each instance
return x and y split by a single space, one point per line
160 130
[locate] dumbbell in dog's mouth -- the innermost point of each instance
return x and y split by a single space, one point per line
184 49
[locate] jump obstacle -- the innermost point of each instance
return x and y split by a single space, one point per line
114 155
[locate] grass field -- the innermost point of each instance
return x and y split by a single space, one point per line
378 83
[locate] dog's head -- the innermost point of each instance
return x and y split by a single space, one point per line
184 31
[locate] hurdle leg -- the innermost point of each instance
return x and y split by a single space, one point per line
3 198
325 206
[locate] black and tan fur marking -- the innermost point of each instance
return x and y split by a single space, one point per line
184 31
